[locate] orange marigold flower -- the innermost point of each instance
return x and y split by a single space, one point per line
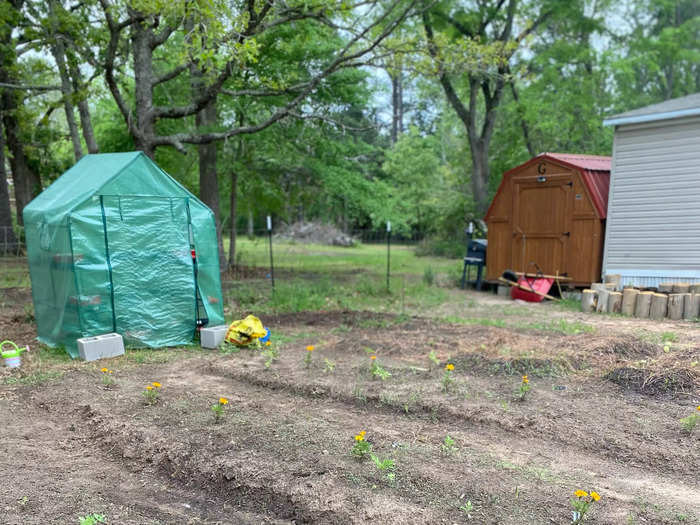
363 432
595 495
698 407
103 370
373 357
580 493
450 367
525 379
267 343
156 384
223 401
310 348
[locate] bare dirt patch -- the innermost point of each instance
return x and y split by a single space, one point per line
281 453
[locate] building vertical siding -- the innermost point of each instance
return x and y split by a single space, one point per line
653 223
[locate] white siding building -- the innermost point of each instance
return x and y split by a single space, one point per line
653 224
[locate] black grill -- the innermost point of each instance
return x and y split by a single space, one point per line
477 250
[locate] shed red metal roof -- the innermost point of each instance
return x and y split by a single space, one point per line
595 173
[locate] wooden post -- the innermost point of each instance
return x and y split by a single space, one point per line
615 279
665 287
691 306
641 307
588 301
629 298
602 305
659 302
615 302
675 306
681 287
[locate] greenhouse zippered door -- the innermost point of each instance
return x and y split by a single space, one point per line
147 257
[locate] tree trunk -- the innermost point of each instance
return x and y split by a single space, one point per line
615 302
588 301
141 39
58 50
675 306
396 105
602 306
234 206
480 177
643 305
691 306
8 241
251 225
83 108
629 299
659 305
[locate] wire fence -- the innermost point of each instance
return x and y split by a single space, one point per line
11 241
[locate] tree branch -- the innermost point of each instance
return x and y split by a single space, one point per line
26 87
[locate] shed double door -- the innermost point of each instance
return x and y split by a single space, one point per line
542 209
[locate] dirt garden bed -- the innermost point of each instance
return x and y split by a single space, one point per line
72 446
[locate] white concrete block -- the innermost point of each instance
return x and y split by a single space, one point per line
100 346
212 336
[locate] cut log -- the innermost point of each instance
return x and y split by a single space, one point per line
629 298
614 279
695 288
681 287
615 302
691 306
665 287
602 305
588 300
659 302
675 306
641 307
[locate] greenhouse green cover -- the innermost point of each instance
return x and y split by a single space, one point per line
117 245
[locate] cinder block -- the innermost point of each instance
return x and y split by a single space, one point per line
212 336
100 346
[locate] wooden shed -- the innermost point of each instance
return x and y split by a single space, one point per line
550 211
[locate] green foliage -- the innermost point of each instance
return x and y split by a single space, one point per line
92 519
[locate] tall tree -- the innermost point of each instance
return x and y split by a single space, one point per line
472 56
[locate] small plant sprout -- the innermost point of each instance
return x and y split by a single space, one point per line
376 370
107 379
432 357
689 423
152 392
448 446
92 519
447 379
307 357
582 504
467 508
271 353
385 465
523 389
218 409
328 366
361 447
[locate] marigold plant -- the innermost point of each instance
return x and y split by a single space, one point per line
582 504
361 447
218 409
307 357
689 423
107 379
447 379
523 389
152 392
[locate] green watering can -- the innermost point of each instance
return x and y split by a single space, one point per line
11 356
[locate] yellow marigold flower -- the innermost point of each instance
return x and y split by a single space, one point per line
223 401
103 369
310 348
267 343
698 407
149 387
580 493
449 366
111 371
373 357
595 495
363 432
359 437
156 384
525 379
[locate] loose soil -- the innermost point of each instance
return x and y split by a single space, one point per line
599 417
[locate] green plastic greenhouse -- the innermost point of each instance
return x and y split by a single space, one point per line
117 245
